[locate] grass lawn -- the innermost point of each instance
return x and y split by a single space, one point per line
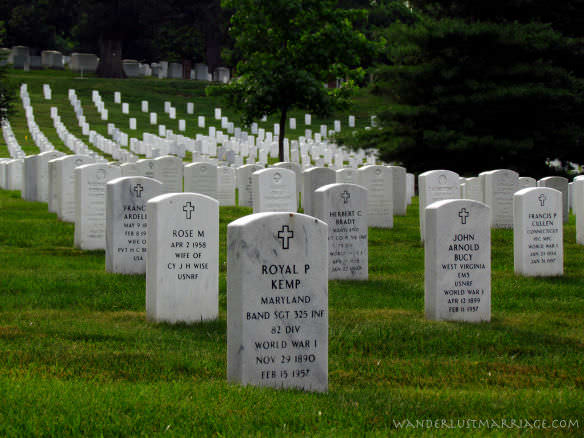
78 358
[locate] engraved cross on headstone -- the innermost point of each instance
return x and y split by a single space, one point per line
346 196
188 208
138 189
463 214
285 234
542 199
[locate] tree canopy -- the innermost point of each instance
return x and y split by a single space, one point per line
287 50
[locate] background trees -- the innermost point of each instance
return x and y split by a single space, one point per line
287 51
473 95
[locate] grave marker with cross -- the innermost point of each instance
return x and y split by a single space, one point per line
463 214
188 208
346 196
138 189
542 199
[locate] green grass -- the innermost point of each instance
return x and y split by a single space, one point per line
77 356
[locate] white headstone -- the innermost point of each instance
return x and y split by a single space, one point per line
277 301
201 178
378 180
126 223
297 170
458 261
90 181
526 182
313 179
538 232
245 185
436 185
169 171
182 269
42 173
400 190
474 189
65 184
226 185
559 183
344 208
350 176
274 189
499 186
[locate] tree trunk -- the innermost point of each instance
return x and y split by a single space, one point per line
283 115
110 63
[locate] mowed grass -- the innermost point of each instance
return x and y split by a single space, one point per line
78 358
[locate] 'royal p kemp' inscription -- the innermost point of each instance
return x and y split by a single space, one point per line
277 301
458 261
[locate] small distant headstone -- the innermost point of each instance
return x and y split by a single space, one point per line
245 185
274 189
133 123
314 178
190 108
153 118
297 170
499 187
125 108
351 121
144 106
84 62
169 171
182 274
292 123
378 180
117 97
226 186
126 223
90 181
400 190
307 119
65 175
436 185
458 261
350 176
344 208
526 182
559 183
277 301
201 121
538 232
201 178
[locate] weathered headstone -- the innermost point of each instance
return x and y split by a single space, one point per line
344 208
274 189
499 187
42 173
245 185
458 261
314 178
201 178
474 189
65 184
90 183
169 171
538 232
526 182
378 181
84 62
347 175
226 185
126 223
436 185
400 190
14 174
277 301
29 180
297 170
559 183
182 270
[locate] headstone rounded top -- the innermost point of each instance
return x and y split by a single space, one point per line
252 218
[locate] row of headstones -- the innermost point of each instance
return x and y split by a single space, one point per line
277 276
495 188
20 58
14 149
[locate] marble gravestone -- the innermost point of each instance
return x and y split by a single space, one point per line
400 190
201 178
559 183
578 205
131 169
538 241
378 180
274 189
526 182
29 188
297 170
474 189
182 269
457 261
147 167
436 185
226 186
314 178
499 186
347 175
65 184
277 301
169 171
90 181
42 173
126 223
52 200
14 174
344 208
245 185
